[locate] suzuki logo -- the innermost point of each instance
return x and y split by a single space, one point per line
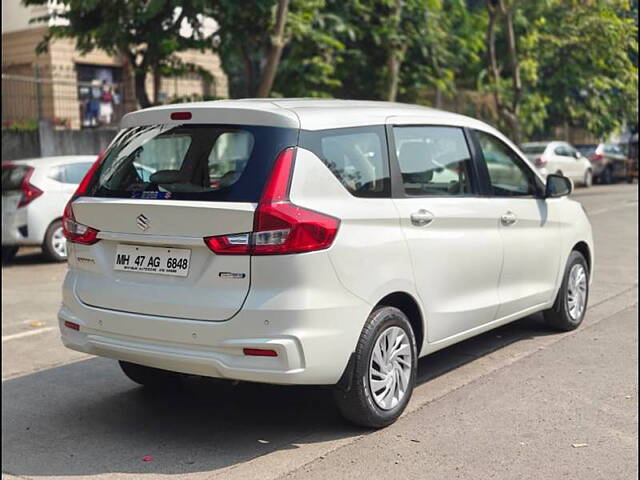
142 222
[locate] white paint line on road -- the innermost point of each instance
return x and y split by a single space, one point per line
28 333
609 209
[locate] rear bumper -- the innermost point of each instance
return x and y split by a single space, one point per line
313 344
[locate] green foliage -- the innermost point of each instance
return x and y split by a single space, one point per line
585 57
577 59
27 125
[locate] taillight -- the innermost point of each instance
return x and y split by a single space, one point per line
77 232
74 231
29 192
596 157
279 226
540 162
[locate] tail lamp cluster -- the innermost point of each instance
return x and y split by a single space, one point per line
29 192
76 232
279 226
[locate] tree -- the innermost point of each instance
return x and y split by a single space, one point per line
253 37
148 33
588 64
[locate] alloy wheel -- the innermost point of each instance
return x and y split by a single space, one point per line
390 367
577 291
59 242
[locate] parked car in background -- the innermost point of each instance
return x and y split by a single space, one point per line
560 158
34 194
323 242
609 161
632 165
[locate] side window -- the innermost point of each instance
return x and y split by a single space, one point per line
356 156
433 160
74 173
561 150
509 176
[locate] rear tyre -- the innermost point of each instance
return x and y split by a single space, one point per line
54 246
9 253
384 371
150 377
570 306
606 176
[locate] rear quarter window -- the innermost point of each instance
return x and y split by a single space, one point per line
356 156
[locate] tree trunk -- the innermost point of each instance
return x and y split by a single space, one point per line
140 80
395 54
275 51
157 81
508 113
393 77
249 76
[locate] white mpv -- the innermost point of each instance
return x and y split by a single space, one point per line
313 242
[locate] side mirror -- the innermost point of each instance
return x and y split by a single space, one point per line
557 186
577 155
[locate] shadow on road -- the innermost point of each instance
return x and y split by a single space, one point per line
27 256
86 418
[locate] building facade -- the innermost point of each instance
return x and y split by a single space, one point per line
66 88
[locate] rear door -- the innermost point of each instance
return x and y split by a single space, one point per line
158 193
451 232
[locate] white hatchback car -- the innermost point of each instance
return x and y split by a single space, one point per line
560 158
34 194
313 242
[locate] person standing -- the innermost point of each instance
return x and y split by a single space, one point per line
106 104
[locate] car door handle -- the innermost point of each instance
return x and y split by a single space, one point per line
508 218
421 218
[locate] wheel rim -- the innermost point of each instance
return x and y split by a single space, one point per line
59 242
577 291
390 368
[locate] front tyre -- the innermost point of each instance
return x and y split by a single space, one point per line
570 306
384 371
150 377
588 179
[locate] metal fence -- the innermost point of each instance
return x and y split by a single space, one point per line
61 100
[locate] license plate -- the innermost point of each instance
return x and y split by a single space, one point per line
156 260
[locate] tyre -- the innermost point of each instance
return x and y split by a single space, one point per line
9 253
54 246
383 371
588 179
570 306
606 176
150 377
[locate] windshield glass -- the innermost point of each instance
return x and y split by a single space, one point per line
191 162
534 149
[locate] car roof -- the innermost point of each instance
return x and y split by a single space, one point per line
304 113
53 161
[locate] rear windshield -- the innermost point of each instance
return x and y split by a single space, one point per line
534 149
12 176
191 162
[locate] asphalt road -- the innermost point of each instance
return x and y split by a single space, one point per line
518 402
